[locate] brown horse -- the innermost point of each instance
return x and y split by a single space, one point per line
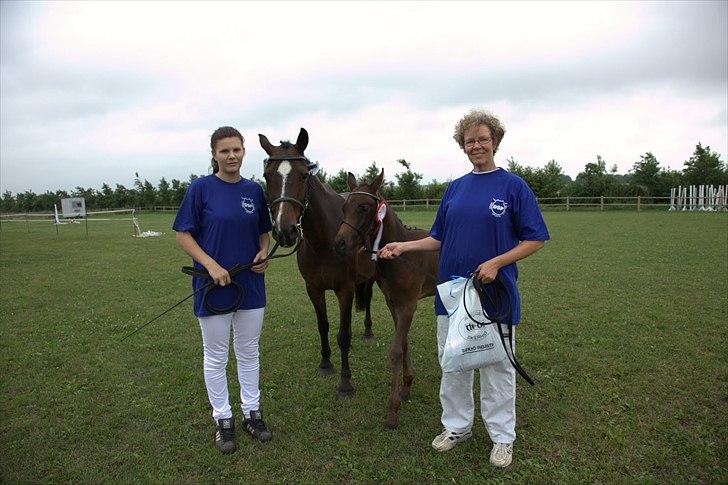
304 207
403 281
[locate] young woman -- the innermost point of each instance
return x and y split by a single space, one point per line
488 219
223 221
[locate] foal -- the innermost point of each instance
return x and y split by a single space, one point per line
403 281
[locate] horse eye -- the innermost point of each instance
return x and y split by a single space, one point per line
363 208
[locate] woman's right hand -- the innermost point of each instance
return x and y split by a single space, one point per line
392 250
219 274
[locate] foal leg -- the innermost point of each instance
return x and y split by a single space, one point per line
318 299
408 374
404 313
345 296
368 293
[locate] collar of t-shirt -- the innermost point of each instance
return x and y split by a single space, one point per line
488 171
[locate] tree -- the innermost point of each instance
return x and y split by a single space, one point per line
705 167
645 173
408 182
369 174
164 195
338 181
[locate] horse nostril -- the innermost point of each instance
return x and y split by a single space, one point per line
340 245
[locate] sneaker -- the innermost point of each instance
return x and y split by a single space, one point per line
448 439
225 435
256 427
501 455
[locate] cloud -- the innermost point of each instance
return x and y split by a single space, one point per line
92 92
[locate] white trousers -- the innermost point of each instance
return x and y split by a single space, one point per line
247 325
497 394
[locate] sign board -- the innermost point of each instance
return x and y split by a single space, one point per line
74 207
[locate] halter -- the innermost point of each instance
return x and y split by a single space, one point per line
377 221
312 168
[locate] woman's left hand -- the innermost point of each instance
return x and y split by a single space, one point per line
260 268
487 271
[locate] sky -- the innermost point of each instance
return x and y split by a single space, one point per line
94 92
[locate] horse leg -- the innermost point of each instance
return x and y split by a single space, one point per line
345 295
408 374
318 299
368 293
404 312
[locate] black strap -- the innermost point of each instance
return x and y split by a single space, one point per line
499 316
239 292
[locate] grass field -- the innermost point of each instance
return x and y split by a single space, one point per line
624 331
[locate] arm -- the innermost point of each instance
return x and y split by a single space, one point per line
190 246
488 270
394 249
263 242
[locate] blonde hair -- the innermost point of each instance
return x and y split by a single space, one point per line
477 117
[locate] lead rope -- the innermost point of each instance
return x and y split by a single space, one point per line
499 288
211 285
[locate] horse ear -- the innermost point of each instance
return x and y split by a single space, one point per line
302 141
265 144
377 182
351 182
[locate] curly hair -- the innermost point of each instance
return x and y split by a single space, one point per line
219 134
476 117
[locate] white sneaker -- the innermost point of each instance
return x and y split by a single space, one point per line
448 439
501 455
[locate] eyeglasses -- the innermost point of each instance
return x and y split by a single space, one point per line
480 141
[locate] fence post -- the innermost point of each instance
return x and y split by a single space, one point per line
404 205
601 203
567 203
638 203
427 203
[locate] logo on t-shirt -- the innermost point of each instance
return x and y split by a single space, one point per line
248 205
498 207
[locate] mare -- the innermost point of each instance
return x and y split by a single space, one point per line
403 280
306 211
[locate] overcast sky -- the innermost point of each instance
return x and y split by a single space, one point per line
93 92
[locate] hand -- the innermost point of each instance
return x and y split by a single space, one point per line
391 250
260 268
487 271
218 274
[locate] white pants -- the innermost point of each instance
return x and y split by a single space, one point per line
497 394
247 325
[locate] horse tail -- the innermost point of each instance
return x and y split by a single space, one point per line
363 295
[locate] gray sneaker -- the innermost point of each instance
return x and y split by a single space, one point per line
225 435
448 439
501 455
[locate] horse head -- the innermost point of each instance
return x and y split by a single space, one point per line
360 212
286 173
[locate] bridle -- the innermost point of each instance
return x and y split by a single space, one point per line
311 166
370 223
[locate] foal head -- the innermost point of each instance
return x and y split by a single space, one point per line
286 174
360 210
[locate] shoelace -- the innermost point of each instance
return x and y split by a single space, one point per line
227 434
258 425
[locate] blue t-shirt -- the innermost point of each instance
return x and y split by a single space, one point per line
481 216
226 219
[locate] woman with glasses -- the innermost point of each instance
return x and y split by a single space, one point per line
488 219
222 221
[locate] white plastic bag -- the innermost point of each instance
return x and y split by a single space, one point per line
470 344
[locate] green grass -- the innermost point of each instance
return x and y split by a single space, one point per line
624 330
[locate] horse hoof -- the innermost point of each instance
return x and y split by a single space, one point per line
345 393
404 395
391 423
326 371
368 338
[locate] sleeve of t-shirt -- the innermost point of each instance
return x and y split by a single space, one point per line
528 221
264 224
188 215
437 231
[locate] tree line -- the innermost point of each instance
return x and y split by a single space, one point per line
646 178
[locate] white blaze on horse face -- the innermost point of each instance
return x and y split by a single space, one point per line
284 168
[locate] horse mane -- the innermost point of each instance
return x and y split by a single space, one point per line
287 144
